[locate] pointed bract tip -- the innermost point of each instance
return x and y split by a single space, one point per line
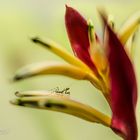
103 14
104 18
66 6
70 9
102 10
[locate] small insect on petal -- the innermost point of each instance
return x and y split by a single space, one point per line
62 104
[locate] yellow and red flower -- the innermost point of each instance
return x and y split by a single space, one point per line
106 65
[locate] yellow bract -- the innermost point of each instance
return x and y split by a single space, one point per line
129 28
60 51
61 104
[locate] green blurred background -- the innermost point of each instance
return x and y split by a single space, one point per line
22 19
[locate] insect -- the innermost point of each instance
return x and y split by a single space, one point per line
63 91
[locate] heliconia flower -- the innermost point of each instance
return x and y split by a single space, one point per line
107 65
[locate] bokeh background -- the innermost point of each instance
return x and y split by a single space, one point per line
19 21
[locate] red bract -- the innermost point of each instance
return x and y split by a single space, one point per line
123 87
77 29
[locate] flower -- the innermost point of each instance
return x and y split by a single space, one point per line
106 65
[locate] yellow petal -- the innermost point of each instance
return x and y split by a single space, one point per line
57 49
131 45
33 93
129 28
60 51
65 105
46 68
42 93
